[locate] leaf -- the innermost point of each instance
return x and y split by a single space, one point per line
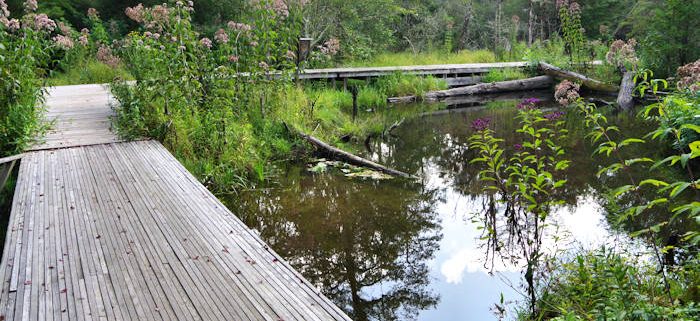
630 141
694 127
654 182
679 189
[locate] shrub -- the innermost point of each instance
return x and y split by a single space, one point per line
25 54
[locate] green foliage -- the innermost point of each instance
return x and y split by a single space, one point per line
668 36
504 74
187 96
399 84
25 56
606 284
88 71
525 183
424 58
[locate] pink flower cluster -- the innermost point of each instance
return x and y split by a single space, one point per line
43 22
105 55
572 6
84 38
31 5
206 42
239 26
566 93
221 36
689 76
63 42
65 29
622 52
3 9
92 13
330 47
136 13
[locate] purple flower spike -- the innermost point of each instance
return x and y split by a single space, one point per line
480 124
555 115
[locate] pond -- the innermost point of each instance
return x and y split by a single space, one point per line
404 249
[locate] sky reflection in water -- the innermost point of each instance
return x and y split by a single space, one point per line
386 250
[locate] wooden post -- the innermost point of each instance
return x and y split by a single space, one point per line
353 91
5 172
345 84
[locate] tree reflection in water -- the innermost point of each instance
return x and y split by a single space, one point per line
365 244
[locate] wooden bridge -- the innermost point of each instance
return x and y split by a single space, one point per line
112 230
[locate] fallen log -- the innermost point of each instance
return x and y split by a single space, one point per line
545 95
586 82
344 156
624 97
538 82
401 100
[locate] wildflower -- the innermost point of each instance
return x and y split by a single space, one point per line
206 42
31 5
480 124
92 13
182 48
3 9
160 13
263 65
221 36
233 58
43 22
554 115
529 103
156 36
622 52
689 76
84 40
63 42
566 92
104 55
253 43
332 46
65 29
239 26
11 24
135 13
518 146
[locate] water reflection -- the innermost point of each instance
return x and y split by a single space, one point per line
364 243
401 250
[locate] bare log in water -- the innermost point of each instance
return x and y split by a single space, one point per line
586 82
344 156
538 82
624 97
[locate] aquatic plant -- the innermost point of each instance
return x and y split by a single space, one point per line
521 188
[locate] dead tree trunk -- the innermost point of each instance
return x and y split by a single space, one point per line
538 82
344 156
586 82
624 96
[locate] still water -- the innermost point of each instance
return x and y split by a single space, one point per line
404 249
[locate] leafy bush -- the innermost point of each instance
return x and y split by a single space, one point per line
25 54
189 95
424 58
399 84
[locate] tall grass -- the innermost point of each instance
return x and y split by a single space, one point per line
495 75
89 71
427 58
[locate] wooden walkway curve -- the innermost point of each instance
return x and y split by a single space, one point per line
108 230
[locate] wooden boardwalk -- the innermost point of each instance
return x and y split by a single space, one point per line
122 231
79 115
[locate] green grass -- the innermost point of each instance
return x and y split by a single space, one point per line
428 58
88 72
503 75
